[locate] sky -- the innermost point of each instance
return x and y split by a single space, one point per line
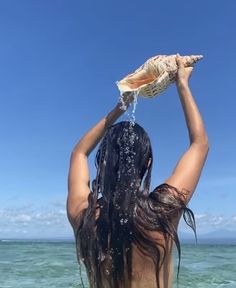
59 63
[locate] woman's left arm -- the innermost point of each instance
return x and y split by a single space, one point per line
78 178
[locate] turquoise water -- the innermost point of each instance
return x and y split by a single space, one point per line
41 264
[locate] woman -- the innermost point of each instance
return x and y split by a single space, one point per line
125 237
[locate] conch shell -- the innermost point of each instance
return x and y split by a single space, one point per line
155 75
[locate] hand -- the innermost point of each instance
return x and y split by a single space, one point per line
126 99
183 73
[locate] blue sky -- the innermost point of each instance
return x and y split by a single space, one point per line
59 61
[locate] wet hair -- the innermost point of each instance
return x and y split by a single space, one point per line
128 211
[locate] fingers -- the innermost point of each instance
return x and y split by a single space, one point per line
179 61
128 97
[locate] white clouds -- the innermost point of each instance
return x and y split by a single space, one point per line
200 216
208 222
51 221
21 218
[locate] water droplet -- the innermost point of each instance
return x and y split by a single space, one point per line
107 271
123 221
117 206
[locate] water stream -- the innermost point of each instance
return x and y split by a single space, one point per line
129 135
133 105
126 144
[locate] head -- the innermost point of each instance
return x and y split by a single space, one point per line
124 162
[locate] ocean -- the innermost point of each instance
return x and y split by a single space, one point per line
44 263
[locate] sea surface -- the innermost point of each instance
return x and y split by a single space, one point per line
43 263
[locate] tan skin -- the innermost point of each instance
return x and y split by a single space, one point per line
185 175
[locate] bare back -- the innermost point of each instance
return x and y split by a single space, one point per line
144 275
143 268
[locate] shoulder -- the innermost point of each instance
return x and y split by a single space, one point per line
167 190
169 202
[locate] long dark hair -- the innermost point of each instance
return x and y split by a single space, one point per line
127 210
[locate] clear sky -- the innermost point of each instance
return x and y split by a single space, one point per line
59 61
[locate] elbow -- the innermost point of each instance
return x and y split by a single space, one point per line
203 144
206 147
202 141
206 143
80 148
78 151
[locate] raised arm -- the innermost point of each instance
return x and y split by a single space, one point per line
78 178
188 169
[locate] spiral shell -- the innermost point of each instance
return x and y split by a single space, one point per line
155 75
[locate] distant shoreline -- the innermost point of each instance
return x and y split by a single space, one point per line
187 241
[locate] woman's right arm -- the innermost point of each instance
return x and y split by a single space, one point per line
186 174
